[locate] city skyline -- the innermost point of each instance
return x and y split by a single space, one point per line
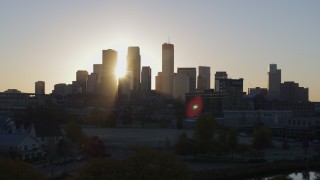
241 38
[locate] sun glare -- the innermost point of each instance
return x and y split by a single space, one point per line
121 69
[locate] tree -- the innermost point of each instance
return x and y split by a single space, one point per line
146 163
184 145
94 147
242 149
14 169
101 168
232 140
74 132
261 138
205 127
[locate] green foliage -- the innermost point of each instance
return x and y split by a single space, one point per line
74 132
101 168
184 145
13 169
205 127
94 147
232 140
261 138
145 163
179 113
167 144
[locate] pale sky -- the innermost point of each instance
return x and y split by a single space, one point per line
51 40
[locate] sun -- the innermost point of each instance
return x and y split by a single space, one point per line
121 69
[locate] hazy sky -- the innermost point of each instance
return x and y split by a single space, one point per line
51 40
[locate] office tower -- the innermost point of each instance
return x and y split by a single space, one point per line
146 79
218 76
134 66
192 74
181 84
167 68
274 81
92 83
39 87
159 82
81 79
292 93
59 89
97 69
204 78
124 89
108 79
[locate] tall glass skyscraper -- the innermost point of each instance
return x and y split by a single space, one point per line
134 66
167 68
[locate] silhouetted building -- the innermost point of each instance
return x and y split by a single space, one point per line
97 69
291 92
92 83
109 80
257 91
274 81
124 90
218 76
82 77
134 66
146 79
167 68
204 78
39 87
192 74
212 102
59 89
159 82
180 85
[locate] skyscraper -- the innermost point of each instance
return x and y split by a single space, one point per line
134 65
82 77
204 78
167 68
192 74
92 83
180 85
39 87
217 78
146 79
108 79
274 81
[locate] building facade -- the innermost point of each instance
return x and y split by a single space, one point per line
146 79
82 77
274 81
180 85
39 87
204 78
191 73
134 66
167 68
109 80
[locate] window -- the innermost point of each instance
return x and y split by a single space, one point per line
25 147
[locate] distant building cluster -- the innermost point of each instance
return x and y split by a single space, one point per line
275 105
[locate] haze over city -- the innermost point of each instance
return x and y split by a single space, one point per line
50 41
